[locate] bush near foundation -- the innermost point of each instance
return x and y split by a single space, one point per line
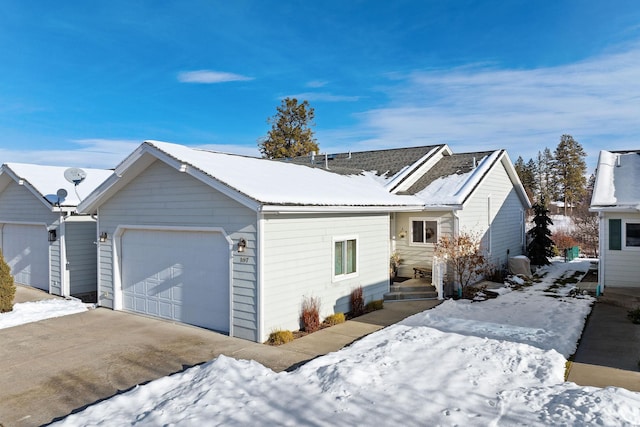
310 316
280 337
334 319
7 287
356 301
374 305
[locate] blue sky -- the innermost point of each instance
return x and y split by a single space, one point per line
83 83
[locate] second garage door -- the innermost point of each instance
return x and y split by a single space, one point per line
26 250
177 275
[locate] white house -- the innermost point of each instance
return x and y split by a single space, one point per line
44 242
616 198
235 243
478 193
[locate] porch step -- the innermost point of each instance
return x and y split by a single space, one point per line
621 297
411 289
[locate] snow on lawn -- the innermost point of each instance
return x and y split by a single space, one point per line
498 362
27 312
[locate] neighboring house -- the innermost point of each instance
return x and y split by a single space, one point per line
616 198
44 242
235 243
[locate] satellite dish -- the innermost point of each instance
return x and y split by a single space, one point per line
75 175
61 193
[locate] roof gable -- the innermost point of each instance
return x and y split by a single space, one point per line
45 181
617 177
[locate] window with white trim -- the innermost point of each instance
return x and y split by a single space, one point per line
345 257
424 231
632 234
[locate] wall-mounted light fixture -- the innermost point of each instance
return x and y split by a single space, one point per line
402 233
103 237
52 235
242 245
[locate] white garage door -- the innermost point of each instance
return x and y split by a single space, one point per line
177 275
26 250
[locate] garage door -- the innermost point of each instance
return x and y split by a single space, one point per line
177 275
26 250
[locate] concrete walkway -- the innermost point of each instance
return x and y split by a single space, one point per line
53 367
609 350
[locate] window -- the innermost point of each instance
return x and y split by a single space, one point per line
424 231
345 255
632 234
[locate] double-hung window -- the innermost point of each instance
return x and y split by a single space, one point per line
424 231
345 256
632 235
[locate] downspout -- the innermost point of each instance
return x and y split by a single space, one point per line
260 275
602 254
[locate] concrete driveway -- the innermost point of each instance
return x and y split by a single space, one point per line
53 367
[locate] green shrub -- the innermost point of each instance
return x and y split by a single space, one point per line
280 337
334 319
357 302
310 316
7 287
374 305
634 315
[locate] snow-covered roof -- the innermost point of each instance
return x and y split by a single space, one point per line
617 178
272 184
45 181
266 182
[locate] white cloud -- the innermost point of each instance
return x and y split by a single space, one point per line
209 76
317 83
478 107
323 96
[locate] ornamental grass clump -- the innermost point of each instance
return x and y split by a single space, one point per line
280 337
374 305
334 319
310 316
357 302
7 287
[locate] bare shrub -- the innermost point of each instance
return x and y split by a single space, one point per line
356 300
464 255
310 316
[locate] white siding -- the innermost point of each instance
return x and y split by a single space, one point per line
162 196
622 267
298 262
19 205
416 254
81 265
495 202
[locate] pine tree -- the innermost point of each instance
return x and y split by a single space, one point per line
7 287
540 249
527 174
290 134
569 170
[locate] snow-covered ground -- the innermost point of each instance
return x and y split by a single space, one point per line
27 312
499 362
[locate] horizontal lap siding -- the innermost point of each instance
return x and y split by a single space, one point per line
505 216
17 204
298 262
162 196
622 267
418 255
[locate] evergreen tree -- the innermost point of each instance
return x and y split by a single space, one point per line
527 174
290 134
569 170
7 287
541 246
